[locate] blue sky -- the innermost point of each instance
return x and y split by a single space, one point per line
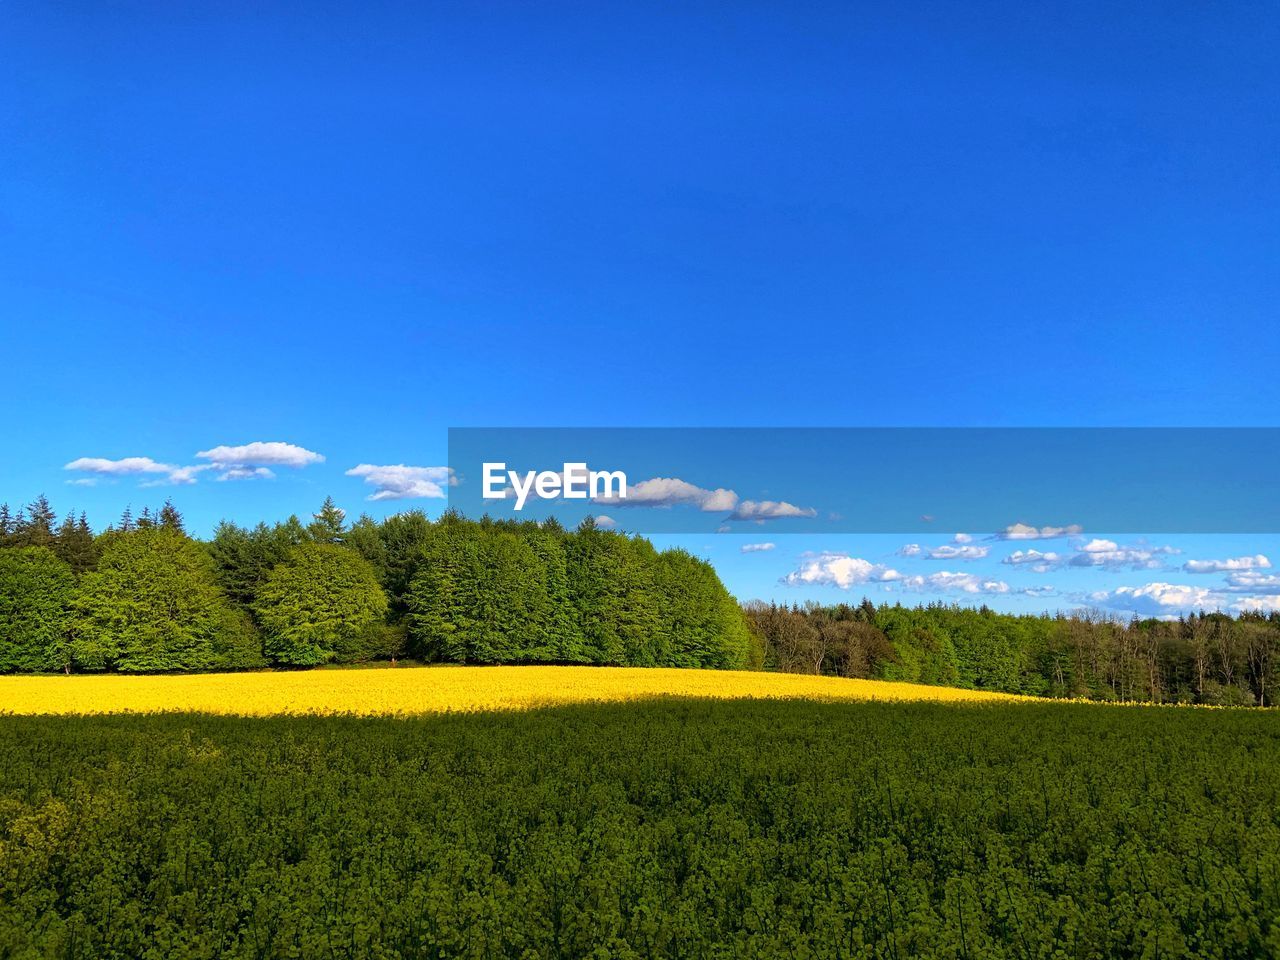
352 230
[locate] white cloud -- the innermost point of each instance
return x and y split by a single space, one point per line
1111 555
1022 531
402 482
246 473
1251 582
952 552
757 547
1039 562
1156 599
117 468
960 549
1045 591
606 522
1172 599
947 581
838 570
1258 562
259 454
143 467
670 492
762 510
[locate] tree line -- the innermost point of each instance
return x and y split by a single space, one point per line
1206 657
144 596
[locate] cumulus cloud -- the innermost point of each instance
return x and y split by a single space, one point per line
1252 582
1257 562
671 492
260 453
1039 562
245 473
757 547
400 481
838 570
949 582
1045 591
152 472
1173 599
958 552
762 510
959 549
116 468
1022 531
1111 555
1157 599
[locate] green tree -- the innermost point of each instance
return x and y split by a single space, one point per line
329 525
152 604
75 544
36 528
170 518
323 603
35 596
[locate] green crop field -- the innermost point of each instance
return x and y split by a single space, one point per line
670 828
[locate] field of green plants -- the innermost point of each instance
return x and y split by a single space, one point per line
672 828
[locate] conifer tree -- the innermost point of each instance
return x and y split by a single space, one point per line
75 544
329 525
170 518
37 530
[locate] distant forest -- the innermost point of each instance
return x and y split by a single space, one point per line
144 596
1208 658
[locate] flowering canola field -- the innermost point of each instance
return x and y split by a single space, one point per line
425 690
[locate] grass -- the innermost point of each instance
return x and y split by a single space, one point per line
404 691
670 827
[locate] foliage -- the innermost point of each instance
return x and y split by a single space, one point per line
1205 658
152 604
35 597
773 830
322 603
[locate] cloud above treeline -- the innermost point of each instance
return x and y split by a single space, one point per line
844 571
667 492
400 481
1256 562
249 461
757 547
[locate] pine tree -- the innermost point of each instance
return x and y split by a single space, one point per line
126 521
38 531
171 519
75 544
6 524
329 525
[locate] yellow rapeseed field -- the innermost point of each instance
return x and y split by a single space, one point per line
415 690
